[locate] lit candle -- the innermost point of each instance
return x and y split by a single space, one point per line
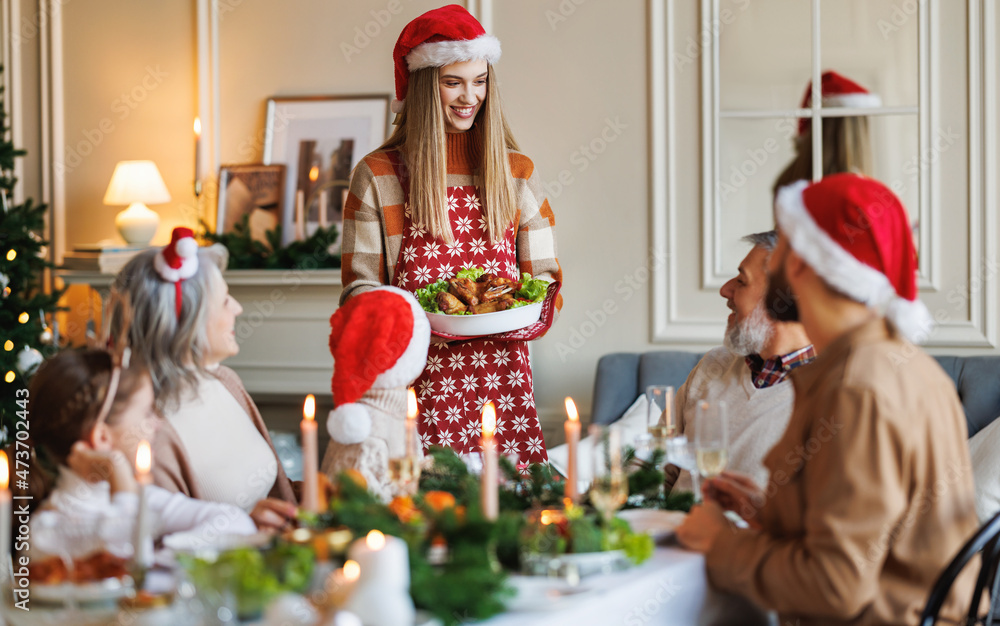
572 426
412 446
323 222
341 584
381 596
197 156
141 541
300 215
310 464
490 484
5 510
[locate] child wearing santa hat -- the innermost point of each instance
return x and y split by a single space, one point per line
450 190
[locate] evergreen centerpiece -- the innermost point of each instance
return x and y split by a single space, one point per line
25 307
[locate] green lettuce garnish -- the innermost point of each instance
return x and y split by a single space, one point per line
532 288
427 296
472 273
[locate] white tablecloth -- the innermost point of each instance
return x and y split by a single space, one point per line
670 588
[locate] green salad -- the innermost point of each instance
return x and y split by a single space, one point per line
532 290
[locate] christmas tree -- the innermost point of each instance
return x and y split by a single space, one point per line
25 307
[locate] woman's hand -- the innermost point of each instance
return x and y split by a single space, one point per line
273 514
735 492
97 465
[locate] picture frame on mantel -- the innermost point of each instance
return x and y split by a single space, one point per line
319 140
255 190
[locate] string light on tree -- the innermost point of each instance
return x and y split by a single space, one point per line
11 254
9 377
8 345
23 317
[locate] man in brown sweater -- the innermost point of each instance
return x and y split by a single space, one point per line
870 492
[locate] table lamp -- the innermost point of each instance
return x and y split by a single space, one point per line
135 183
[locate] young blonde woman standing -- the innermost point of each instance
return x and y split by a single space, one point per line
450 190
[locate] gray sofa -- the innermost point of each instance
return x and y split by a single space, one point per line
622 376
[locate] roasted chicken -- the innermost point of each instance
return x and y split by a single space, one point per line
488 294
464 289
449 304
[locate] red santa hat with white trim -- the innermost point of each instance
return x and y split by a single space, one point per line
378 340
437 38
838 91
855 234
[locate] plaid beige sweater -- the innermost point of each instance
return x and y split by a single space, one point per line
373 216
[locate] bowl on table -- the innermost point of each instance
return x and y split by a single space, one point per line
485 323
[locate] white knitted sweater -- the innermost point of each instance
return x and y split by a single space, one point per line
757 417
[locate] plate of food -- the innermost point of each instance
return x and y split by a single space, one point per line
474 303
100 577
655 523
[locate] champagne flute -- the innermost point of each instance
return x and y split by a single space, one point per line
711 438
660 421
404 471
609 486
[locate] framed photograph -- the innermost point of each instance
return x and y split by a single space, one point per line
257 191
319 140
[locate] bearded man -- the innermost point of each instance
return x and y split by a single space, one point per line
748 371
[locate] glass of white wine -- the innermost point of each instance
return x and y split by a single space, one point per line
660 420
711 440
609 486
404 471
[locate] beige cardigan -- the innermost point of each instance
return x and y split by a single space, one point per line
172 469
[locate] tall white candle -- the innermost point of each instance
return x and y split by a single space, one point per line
197 156
300 215
5 511
490 478
310 462
323 221
572 426
141 540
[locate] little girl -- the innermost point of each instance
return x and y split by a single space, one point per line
88 417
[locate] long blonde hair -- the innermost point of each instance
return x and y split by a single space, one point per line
846 148
420 139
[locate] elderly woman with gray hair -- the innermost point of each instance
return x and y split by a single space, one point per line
212 443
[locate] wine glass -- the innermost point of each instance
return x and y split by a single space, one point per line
609 486
404 471
711 439
660 422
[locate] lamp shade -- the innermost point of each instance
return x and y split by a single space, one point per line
136 181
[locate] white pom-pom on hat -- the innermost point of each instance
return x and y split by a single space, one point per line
349 423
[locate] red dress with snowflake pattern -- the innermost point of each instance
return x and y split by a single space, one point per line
461 377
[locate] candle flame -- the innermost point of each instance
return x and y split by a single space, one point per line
197 126
352 571
143 457
4 471
571 409
411 403
314 173
309 408
489 419
375 540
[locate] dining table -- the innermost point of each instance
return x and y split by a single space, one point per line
669 589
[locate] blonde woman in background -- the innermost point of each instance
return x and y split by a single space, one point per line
846 140
450 190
